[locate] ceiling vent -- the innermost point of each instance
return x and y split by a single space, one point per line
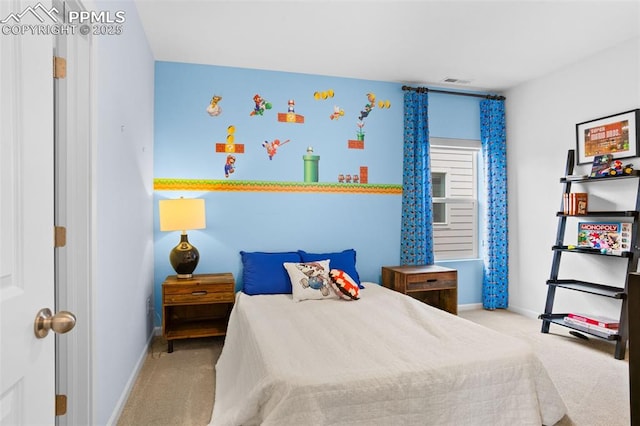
451 80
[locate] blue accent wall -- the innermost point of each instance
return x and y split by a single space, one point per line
185 148
186 134
455 117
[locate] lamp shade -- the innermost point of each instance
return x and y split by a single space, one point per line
182 214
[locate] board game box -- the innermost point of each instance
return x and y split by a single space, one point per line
607 236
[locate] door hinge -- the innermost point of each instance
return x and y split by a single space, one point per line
60 236
61 405
59 67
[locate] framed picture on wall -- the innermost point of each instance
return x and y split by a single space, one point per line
616 135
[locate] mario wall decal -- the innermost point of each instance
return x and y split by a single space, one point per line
230 148
358 143
214 109
290 116
260 105
272 147
324 95
230 165
337 113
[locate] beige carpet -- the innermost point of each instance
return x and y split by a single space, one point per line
593 384
174 388
177 388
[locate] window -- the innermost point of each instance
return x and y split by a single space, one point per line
454 185
439 191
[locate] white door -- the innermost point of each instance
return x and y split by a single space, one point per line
27 391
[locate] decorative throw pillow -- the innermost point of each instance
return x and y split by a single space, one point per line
344 260
310 280
263 273
344 285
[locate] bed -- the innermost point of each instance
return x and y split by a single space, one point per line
382 359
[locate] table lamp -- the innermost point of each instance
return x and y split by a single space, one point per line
182 215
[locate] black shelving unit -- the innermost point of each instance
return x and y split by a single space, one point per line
553 283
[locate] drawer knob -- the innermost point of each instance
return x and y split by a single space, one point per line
199 293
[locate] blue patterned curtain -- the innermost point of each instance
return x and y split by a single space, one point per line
416 247
495 282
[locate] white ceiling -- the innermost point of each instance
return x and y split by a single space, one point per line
493 44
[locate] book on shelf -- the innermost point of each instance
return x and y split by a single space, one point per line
575 177
601 165
585 326
610 237
598 320
575 203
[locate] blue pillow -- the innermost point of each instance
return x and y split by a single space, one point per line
264 273
343 260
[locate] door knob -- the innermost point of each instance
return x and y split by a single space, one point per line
61 322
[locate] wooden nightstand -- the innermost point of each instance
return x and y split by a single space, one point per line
196 307
434 285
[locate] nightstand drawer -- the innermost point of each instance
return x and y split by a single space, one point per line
432 281
203 293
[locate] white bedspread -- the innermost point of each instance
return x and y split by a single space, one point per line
385 359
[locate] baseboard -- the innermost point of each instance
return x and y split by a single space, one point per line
132 380
521 311
469 307
524 312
